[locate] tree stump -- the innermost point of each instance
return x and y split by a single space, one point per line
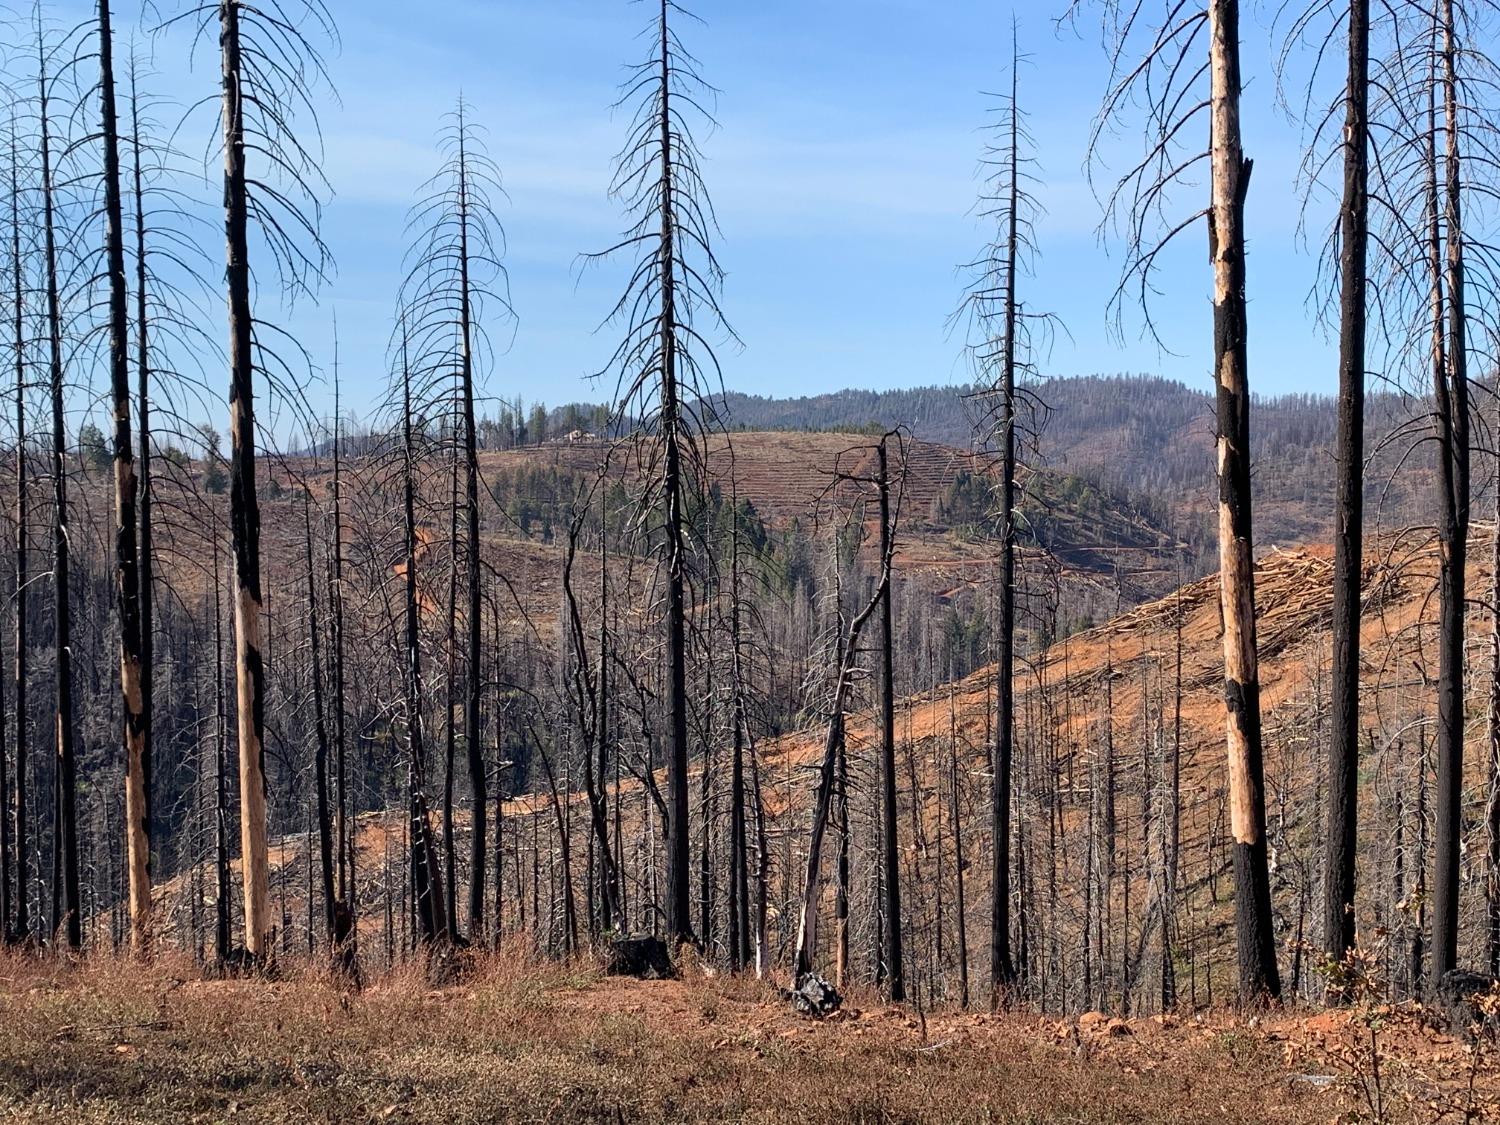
643 957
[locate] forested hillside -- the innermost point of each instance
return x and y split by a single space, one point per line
1153 438
340 762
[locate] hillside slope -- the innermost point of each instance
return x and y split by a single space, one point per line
1102 734
1153 437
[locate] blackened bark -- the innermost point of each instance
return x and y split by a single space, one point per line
320 731
144 570
221 776
1348 562
127 576
22 514
890 851
739 852
472 683
67 912
679 919
1258 975
428 899
1002 969
244 507
1453 533
343 835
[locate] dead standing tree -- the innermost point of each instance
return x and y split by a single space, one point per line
1000 345
429 899
67 912
1348 562
454 276
19 288
270 65
1344 131
889 851
847 653
127 562
665 366
1156 65
1461 94
1437 282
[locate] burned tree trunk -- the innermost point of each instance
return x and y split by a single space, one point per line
1258 975
1492 799
429 901
998 336
588 688
739 851
144 571
665 367
1453 419
320 731
127 576
890 853
67 906
244 507
22 580
847 658
344 834
474 680
679 918
221 776
1348 562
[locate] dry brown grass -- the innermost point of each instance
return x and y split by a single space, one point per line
522 1040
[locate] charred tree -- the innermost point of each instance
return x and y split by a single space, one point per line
666 368
1156 66
320 731
269 67
428 892
127 567
1002 335
1230 178
1451 394
455 273
22 578
890 850
1348 562
67 905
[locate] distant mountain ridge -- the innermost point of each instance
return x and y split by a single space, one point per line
1149 436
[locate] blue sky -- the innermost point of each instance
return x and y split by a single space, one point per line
843 173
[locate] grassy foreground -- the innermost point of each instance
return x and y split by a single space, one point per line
106 1040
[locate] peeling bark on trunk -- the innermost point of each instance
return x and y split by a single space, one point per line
1258 976
244 508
